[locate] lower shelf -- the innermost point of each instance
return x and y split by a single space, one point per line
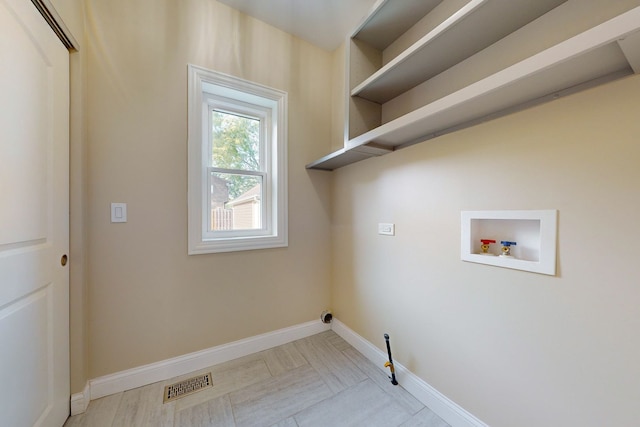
346 156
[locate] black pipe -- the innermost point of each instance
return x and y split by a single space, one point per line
389 364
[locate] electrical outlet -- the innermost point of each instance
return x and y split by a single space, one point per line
386 229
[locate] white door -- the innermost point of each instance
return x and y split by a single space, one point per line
34 220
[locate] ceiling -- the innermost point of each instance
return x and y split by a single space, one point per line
324 23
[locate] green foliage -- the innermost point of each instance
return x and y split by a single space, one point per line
236 145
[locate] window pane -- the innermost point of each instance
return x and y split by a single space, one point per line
235 141
236 202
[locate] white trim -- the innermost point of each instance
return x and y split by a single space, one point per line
169 368
129 379
80 401
201 84
444 407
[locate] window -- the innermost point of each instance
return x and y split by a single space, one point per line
237 164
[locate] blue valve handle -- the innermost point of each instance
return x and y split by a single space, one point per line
507 243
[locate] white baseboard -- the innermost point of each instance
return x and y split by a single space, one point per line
163 370
444 407
106 385
80 401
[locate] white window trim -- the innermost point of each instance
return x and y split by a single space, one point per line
275 234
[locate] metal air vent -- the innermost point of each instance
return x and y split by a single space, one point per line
187 387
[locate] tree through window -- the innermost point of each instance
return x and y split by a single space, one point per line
237 171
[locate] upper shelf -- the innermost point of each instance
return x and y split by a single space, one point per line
606 51
387 22
475 26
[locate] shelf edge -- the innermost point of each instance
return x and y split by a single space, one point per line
346 156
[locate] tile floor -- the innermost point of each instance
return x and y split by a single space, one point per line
316 381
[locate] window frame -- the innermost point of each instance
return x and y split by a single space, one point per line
211 90
251 111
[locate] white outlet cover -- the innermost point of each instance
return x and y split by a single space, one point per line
386 229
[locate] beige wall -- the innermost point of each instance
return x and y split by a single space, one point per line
511 347
338 101
148 300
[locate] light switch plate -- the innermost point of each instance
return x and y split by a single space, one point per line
118 212
386 229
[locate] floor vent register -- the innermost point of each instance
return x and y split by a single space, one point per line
187 387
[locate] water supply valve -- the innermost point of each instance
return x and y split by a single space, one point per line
485 246
506 248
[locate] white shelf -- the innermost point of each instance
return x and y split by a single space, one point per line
607 51
585 57
388 21
535 234
475 26
346 156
